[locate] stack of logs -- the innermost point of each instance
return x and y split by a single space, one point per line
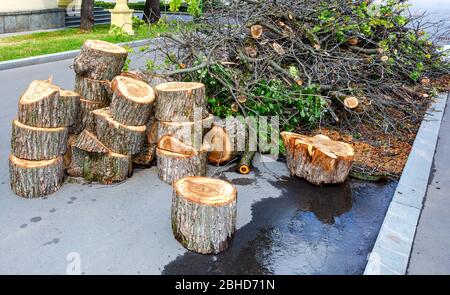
39 139
182 120
113 117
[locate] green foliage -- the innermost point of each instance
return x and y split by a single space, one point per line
117 32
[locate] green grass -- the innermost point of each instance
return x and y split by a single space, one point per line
35 44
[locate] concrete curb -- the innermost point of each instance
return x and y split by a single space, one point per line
29 61
392 249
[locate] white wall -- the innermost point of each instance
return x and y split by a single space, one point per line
21 5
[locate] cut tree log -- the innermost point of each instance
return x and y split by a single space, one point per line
88 142
149 78
245 163
204 214
190 133
119 138
36 143
176 160
33 179
152 131
93 90
132 101
46 105
99 167
85 117
146 157
318 159
68 155
100 60
181 102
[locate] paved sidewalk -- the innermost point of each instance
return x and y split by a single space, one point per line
430 253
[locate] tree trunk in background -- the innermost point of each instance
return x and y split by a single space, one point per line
152 11
87 15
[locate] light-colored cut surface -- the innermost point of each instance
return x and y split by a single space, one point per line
31 164
205 190
181 86
104 46
176 147
38 89
105 113
135 90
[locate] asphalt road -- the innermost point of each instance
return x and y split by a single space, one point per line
285 226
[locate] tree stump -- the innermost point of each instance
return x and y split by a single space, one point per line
46 105
146 157
176 160
190 133
318 159
100 60
121 139
33 179
132 101
93 90
204 214
181 102
35 143
85 117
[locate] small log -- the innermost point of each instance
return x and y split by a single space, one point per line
245 164
204 214
132 101
85 117
33 179
318 159
99 167
190 133
100 60
181 102
119 138
146 157
222 143
351 102
68 155
256 31
93 90
176 160
88 142
35 143
46 105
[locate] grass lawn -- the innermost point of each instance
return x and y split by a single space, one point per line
72 38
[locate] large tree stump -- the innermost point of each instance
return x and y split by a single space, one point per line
176 160
190 133
318 159
100 60
132 101
85 117
93 90
181 102
121 139
33 179
204 214
46 105
35 143
146 157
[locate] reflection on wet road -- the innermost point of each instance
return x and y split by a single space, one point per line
307 230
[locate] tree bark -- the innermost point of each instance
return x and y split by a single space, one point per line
46 105
190 133
85 117
93 90
204 214
33 179
152 131
88 142
121 139
132 101
152 11
146 157
181 102
34 143
68 155
87 15
100 60
318 159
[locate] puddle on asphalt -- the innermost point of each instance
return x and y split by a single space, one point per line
307 230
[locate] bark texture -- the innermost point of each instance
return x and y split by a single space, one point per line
68 155
88 142
190 133
173 166
100 60
46 105
33 179
103 168
35 143
152 131
85 117
93 90
121 139
204 214
181 102
132 101
318 159
146 157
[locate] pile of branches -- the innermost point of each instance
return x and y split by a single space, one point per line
345 63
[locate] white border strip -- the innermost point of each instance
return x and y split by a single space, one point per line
392 249
34 60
